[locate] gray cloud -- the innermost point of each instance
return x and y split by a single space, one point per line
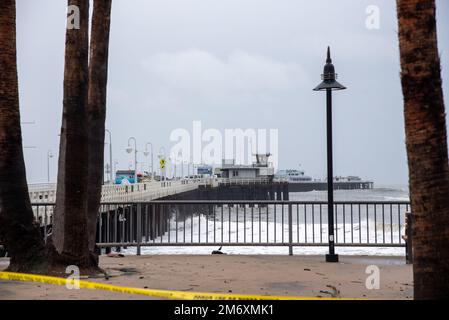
232 64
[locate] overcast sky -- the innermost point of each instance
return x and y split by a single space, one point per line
232 64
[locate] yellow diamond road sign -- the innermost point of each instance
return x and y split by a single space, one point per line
162 163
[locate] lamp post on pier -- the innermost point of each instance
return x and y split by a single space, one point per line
49 155
110 156
182 169
175 173
129 150
146 153
115 167
330 84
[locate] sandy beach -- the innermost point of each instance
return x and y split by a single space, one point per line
261 274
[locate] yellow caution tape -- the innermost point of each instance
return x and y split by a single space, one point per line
170 294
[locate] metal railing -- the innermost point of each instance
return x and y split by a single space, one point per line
244 223
46 193
244 181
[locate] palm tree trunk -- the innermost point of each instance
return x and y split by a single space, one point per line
18 232
426 141
96 109
70 220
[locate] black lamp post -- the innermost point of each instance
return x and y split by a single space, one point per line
329 84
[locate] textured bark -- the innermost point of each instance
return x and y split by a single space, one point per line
18 232
96 110
70 220
426 141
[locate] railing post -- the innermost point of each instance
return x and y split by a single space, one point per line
107 229
139 227
408 237
290 230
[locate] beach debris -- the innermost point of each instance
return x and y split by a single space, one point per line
217 251
326 292
334 293
307 269
122 271
115 255
334 290
356 281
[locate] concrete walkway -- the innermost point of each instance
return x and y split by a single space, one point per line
261 275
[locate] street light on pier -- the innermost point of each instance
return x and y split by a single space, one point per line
188 168
129 150
182 169
330 84
173 161
115 166
49 155
110 155
146 153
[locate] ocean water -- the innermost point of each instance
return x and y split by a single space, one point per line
228 223
381 193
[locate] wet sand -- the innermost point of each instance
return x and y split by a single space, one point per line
259 274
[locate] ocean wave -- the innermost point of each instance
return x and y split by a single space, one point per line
400 198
